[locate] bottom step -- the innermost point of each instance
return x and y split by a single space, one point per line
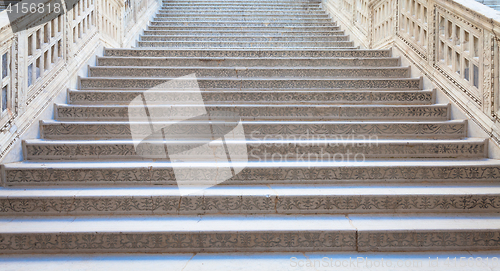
249 233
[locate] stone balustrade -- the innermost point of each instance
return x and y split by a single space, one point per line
38 63
454 44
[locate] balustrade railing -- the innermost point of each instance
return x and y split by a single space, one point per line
43 59
454 43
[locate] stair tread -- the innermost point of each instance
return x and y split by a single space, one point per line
254 190
324 78
256 223
485 162
266 141
52 122
253 68
180 104
256 90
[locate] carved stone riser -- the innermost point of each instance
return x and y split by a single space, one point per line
243 28
247 62
246 53
209 7
121 130
241 39
246 44
179 111
265 204
259 97
261 151
193 2
174 23
187 242
247 4
162 173
305 83
241 19
252 72
272 16
260 11
276 241
242 33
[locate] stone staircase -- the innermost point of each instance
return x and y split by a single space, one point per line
299 86
494 4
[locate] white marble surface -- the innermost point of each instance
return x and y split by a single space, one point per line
478 261
255 190
174 224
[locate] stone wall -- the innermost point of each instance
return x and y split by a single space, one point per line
38 64
454 44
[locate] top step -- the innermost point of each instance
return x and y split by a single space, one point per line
238 7
243 1
275 2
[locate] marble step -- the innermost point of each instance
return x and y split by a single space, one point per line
84 130
176 234
248 62
260 53
257 38
245 4
258 233
260 11
243 28
249 6
246 44
259 150
238 20
252 72
243 33
245 1
249 14
239 9
159 172
242 261
262 83
263 11
240 4
175 110
249 96
254 24
248 200
231 7
243 19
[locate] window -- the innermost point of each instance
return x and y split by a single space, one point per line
5 66
4 99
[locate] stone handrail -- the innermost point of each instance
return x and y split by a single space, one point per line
453 43
38 63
